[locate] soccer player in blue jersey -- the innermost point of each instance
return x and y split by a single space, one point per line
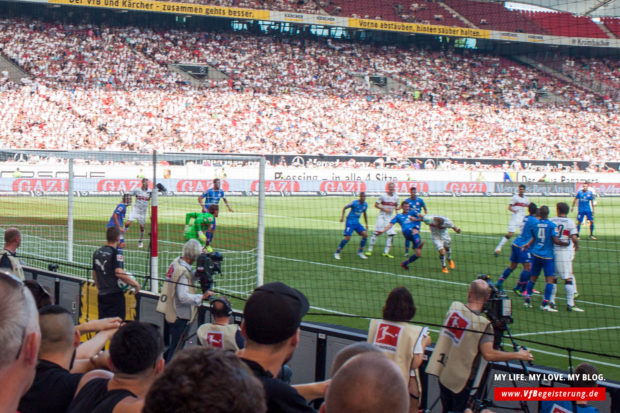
213 196
358 208
585 208
214 209
519 254
118 216
544 235
416 205
409 222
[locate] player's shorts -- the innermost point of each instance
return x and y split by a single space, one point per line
441 241
382 222
582 214
135 215
414 237
516 223
563 260
519 256
545 264
353 227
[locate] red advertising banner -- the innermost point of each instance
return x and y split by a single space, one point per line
199 185
41 185
467 187
343 186
405 186
118 185
278 186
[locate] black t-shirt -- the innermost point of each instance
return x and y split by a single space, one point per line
94 397
280 396
52 390
105 262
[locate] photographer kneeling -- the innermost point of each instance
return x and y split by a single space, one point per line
181 309
466 336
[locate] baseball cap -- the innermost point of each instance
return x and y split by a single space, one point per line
273 313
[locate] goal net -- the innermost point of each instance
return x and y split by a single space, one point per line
62 202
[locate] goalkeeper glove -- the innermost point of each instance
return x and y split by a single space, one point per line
187 228
208 248
202 237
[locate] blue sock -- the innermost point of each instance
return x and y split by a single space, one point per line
412 259
362 245
505 275
592 229
529 289
342 244
407 244
548 291
578 228
525 276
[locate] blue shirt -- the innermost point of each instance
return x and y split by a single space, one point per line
357 209
584 199
211 196
529 228
415 204
120 211
416 215
405 222
545 230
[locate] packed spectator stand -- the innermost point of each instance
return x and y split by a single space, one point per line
100 87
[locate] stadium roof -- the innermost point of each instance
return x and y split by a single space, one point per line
594 8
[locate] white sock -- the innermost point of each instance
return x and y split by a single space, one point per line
371 243
570 294
388 244
501 243
443 260
553 292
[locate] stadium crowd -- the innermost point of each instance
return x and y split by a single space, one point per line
98 87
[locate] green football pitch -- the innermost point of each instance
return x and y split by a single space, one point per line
301 236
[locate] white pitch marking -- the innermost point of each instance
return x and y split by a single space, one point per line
566 331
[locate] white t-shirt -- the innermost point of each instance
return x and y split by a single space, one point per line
519 205
387 201
566 228
142 200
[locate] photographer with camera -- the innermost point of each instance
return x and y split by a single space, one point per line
178 301
465 345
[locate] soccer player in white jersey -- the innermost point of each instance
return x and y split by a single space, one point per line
140 208
518 207
441 238
563 256
386 204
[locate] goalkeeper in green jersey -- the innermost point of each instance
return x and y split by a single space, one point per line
203 224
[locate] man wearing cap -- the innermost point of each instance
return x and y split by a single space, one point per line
272 316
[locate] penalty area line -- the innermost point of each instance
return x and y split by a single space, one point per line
579 330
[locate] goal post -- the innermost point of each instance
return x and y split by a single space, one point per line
63 201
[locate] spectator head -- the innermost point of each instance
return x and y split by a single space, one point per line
562 208
532 208
585 375
367 383
113 235
399 305
58 333
272 316
349 352
191 250
136 349
42 297
20 338
12 239
478 292
220 307
206 380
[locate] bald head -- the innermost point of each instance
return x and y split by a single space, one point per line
351 351
367 383
478 291
57 330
